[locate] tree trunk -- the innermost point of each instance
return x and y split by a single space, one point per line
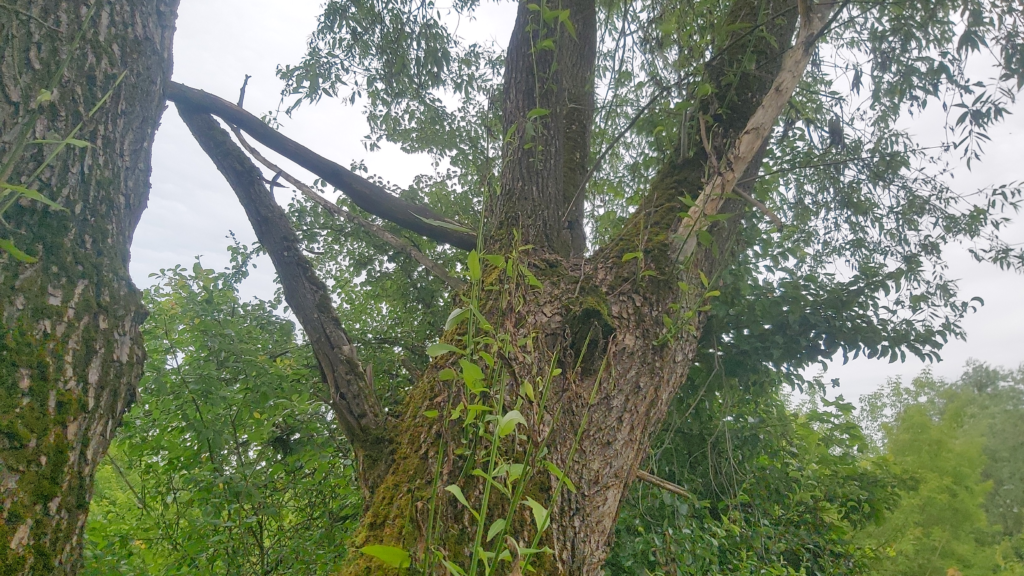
605 342
72 353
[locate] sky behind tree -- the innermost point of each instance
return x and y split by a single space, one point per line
192 209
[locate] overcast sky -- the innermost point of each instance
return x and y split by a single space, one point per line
192 209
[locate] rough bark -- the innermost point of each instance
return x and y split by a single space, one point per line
71 352
352 398
548 114
642 328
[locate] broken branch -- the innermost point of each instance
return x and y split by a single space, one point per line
363 193
396 242
353 401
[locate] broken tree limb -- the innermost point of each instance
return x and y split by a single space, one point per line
662 483
362 192
396 242
813 18
355 405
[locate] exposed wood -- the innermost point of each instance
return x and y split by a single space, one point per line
396 242
750 143
355 405
362 192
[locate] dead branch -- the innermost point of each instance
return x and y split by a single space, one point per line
362 192
813 18
396 242
355 405
662 483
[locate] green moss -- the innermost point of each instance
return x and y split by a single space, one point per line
590 326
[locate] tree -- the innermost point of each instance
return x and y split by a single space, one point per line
515 446
81 96
229 463
958 443
562 357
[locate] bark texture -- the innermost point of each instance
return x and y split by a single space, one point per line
548 114
71 352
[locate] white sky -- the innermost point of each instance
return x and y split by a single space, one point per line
192 209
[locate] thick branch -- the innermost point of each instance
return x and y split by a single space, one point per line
359 413
396 242
813 19
362 192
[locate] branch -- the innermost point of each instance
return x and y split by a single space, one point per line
396 242
662 483
362 192
813 18
359 414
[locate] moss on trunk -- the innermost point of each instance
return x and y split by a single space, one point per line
71 352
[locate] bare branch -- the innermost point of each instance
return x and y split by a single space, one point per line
362 192
662 483
352 398
396 242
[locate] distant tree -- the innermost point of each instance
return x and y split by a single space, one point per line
960 445
230 463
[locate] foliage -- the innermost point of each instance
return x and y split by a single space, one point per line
230 462
771 490
961 445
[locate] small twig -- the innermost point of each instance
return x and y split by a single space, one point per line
138 499
611 145
662 483
30 16
757 204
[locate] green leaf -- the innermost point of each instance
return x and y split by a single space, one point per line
10 248
457 316
44 96
538 112
631 255
474 266
557 472
394 557
540 513
430 414
471 373
452 568
439 348
457 492
33 194
446 374
71 141
508 423
495 528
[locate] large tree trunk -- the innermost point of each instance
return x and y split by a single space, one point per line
71 353
622 334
